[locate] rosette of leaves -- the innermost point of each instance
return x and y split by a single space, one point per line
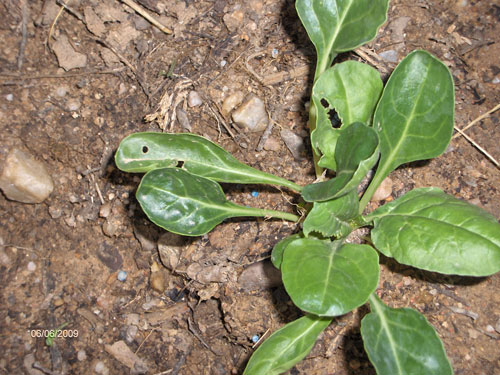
409 119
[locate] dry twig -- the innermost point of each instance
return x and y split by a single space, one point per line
147 16
475 144
476 120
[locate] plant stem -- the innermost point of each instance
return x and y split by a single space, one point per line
312 125
374 184
252 211
293 186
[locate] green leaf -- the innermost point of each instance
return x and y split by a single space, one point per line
355 154
279 248
191 205
431 230
286 347
331 218
329 279
350 88
402 342
414 117
336 26
143 152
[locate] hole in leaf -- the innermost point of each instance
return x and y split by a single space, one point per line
334 119
145 149
325 103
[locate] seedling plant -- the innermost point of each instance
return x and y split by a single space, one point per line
409 119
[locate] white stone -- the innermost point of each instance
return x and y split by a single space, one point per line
389 56
81 355
384 191
62 91
31 266
25 179
194 99
251 115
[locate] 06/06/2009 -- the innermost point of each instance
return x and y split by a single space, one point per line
52 333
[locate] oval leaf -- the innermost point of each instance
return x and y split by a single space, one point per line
414 117
286 347
355 154
143 152
402 342
279 248
191 205
328 278
350 88
331 218
431 230
340 25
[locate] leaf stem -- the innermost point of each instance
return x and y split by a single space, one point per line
312 126
252 211
292 185
374 184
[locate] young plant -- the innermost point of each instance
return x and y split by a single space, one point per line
410 119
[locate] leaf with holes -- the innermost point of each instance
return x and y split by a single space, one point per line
191 205
350 88
355 155
402 342
143 152
431 230
336 26
286 347
329 278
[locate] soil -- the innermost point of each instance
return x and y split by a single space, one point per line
183 308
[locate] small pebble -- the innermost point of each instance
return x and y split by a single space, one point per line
74 105
274 53
389 56
293 142
231 102
122 276
55 212
81 355
132 319
31 266
255 338
4 258
251 115
62 91
255 194
384 191
25 179
194 99
131 333
105 209
223 63
9 97
490 329
101 368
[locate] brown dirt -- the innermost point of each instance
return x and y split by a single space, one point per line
203 322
